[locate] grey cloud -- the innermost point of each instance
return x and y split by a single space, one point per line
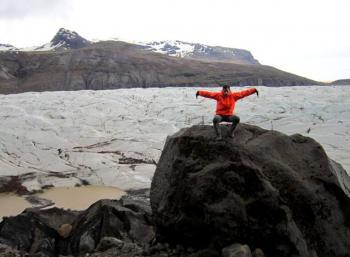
17 9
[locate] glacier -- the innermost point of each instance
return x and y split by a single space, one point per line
115 137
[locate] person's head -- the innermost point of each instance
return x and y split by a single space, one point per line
226 89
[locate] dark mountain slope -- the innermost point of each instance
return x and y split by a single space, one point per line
110 65
341 82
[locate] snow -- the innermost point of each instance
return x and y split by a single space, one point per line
29 48
65 33
7 47
4 74
68 34
179 48
113 137
46 47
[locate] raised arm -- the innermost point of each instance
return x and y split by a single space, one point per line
208 94
244 93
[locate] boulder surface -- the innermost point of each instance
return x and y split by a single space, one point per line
124 225
261 188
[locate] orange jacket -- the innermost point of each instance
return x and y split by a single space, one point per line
225 105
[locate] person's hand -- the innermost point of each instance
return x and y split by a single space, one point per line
257 92
197 94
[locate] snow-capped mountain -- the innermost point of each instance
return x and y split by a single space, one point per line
200 51
67 39
64 39
7 47
113 64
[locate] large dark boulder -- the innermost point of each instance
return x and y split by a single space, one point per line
261 188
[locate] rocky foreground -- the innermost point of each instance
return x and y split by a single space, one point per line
261 193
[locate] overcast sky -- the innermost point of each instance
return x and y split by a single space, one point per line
307 37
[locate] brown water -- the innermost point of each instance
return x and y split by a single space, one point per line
75 198
11 204
80 198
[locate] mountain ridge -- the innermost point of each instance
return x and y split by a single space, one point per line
66 39
340 82
111 65
200 51
70 62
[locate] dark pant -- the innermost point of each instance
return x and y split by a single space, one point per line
219 118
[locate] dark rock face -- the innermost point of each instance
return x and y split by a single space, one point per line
262 188
35 231
66 39
12 184
112 65
341 82
236 250
108 218
123 225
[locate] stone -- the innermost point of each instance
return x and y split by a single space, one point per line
236 250
206 252
12 184
86 243
34 230
109 242
43 246
110 218
269 190
64 230
6 251
258 253
107 225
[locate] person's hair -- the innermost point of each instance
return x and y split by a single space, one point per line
226 86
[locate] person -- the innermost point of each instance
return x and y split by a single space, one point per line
225 106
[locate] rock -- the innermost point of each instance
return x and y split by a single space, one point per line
127 250
109 242
38 202
69 40
138 200
110 218
258 253
43 246
35 231
64 230
263 188
6 251
107 225
86 243
205 253
342 176
12 184
236 250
